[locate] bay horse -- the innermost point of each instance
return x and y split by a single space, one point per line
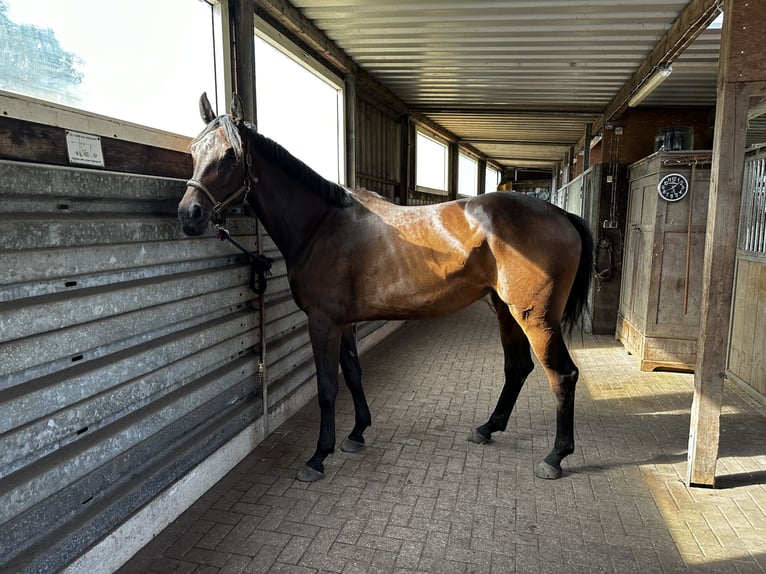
353 256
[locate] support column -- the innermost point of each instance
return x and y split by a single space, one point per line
243 54
453 155
741 72
350 122
407 171
586 147
482 183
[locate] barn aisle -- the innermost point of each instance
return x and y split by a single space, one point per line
423 499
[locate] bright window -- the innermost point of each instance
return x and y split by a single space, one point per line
467 175
491 180
300 108
140 61
431 163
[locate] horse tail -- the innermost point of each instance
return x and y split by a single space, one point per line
577 303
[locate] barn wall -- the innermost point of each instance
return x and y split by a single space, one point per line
129 354
378 150
747 342
639 128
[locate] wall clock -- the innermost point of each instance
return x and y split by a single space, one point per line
673 187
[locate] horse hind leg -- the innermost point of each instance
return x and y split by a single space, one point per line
518 365
548 344
352 373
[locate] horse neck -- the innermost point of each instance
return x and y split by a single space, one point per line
288 209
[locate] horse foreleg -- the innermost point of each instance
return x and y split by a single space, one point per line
325 341
518 365
352 373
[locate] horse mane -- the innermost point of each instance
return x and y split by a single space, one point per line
334 193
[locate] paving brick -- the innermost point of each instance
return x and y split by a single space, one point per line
421 498
294 550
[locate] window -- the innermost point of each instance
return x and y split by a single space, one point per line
467 175
431 163
300 105
140 61
491 180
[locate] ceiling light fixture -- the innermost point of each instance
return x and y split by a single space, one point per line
659 76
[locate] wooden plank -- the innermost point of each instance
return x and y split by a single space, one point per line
746 61
742 341
28 141
720 256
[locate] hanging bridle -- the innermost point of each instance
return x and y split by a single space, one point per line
260 264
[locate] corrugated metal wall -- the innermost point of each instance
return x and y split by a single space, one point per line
129 353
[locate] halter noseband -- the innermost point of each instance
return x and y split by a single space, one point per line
219 206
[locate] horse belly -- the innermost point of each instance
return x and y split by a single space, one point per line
407 293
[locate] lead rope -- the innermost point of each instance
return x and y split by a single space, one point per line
262 378
260 264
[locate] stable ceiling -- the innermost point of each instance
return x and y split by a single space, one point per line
520 80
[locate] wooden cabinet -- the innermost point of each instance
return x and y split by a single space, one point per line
659 311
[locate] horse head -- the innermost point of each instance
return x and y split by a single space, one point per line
220 175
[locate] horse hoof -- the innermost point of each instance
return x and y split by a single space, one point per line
547 471
478 438
308 474
349 445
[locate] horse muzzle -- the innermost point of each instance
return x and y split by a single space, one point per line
193 215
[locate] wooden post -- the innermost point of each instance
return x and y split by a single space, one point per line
586 148
407 162
482 180
740 70
243 57
351 124
453 158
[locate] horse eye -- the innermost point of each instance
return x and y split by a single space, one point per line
229 155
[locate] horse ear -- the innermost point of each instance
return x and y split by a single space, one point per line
205 110
237 109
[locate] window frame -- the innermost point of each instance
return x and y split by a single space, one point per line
421 132
290 49
497 173
463 156
35 110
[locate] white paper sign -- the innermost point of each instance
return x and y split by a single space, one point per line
84 148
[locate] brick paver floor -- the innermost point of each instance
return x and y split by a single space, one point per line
421 498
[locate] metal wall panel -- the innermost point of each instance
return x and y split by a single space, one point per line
128 353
